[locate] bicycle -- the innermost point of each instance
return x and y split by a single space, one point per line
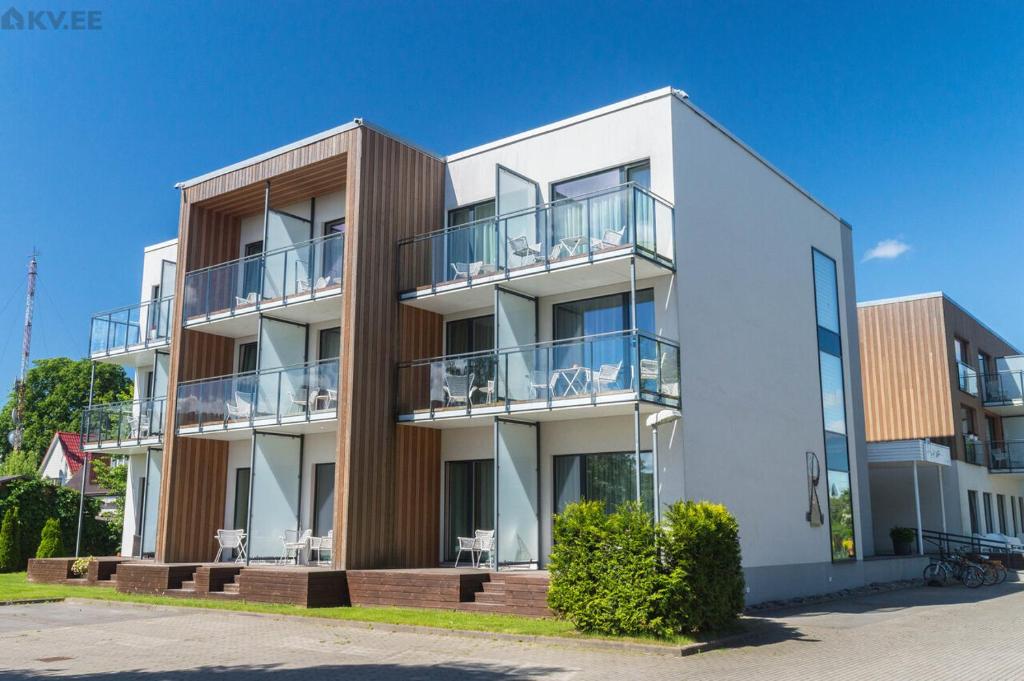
995 572
955 566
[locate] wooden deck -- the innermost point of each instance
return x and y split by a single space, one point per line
102 570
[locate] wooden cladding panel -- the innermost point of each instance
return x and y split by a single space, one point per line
394 191
904 370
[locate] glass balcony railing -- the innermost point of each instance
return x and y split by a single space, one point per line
121 424
1003 387
296 393
1004 456
137 326
624 219
589 369
305 271
968 378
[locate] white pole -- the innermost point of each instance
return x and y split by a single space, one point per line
657 492
917 508
942 501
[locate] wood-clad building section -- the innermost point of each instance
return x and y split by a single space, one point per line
394 191
909 372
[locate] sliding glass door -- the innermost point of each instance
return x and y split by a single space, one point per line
608 478
469 501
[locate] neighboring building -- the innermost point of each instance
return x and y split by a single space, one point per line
62 464
935 375
405 348
137 337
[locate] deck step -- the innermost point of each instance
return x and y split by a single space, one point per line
483 607
494 587
231 588
490 597
188 585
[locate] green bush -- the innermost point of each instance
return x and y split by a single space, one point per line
50 544
39 500
620 574
10 542
604 570
701 550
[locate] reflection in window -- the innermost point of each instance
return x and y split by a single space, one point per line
610 478
833 408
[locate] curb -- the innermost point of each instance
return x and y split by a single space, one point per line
605 644
32 601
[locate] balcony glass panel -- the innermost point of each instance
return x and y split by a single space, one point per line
1004 387
291 393
1005 456
123 423
126 328
305 270
591 367
968 378
627 218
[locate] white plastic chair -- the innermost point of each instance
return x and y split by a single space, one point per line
484 543
250 299
466 270
324 544
612 238
458 389
608 374
294 544
522 248
466 544
233 540
240 408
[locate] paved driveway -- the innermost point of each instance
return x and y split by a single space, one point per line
925 633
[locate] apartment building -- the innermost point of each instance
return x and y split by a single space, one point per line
399 349
937 377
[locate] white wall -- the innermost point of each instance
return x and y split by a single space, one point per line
329 207
132 498
977 478
56 467
152 261
892 500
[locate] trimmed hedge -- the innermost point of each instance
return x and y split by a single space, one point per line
50 544
620 574
10 542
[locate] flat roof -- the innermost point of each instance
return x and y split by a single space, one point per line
162 244
936 294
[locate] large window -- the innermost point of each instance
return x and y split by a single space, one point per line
469 501
477 243
252 269
247 357
987 498
603 314
1001 511
972 510
469 335
609 478
833 407
329 345
240 517
605 212
323 499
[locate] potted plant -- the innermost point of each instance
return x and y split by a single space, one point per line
903 540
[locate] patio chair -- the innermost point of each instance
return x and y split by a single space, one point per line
240 408
541 384
323 544
458 390
522 248
607 375
249 299
612 238
230 540
466 270
301 398
294 544
466 544
484 541
302 285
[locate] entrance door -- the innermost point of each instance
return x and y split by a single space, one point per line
469 501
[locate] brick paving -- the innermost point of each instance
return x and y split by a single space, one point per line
923 633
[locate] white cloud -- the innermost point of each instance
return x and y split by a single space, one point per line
887 249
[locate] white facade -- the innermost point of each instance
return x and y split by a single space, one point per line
741 305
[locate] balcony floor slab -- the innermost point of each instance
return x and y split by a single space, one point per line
244 321
536 412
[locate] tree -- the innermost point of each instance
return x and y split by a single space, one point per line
56 392
115 479
50 543
19 462
10 542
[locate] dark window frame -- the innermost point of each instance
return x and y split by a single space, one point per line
470 323
986 500
243 350
317 478
1001 512
320 343
972 511
583 456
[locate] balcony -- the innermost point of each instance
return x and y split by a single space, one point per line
1005 456
123 335
296 282
1003 392
126 426
585 377
576 243
295 399
967 378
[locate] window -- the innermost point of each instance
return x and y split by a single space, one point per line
1020 509
990 428
987 499
983 362
833 407
603 314
469 335
329 344
241 514
472 244
252 269
969 438
323 499
960 349
469 501
1013 514
466 214
605 179
1001 511
148 384
610 478
972 510
334 251
247 357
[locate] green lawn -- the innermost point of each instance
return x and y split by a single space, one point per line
15 587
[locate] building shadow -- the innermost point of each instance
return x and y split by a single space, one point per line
274 672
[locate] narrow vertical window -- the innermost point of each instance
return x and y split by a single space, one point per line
833 408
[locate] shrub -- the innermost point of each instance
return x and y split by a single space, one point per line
903 535
701 550
38 500
604 570
50 544
10 542
81 566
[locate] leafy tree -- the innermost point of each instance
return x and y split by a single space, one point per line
19 462
56 392
10 542
50 543
113 477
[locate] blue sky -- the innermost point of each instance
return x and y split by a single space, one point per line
905 118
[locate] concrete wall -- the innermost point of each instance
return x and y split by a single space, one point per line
977 478
892 500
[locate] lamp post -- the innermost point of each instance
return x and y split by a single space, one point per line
661 418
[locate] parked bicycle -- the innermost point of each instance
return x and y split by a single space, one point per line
956 565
